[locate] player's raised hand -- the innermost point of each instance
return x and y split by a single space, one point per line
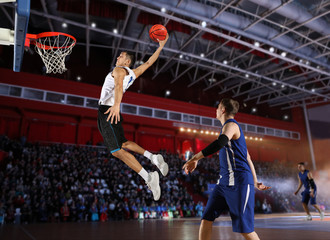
113 114
162 43
261 187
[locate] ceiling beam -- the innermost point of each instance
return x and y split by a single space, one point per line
11 20
43 3
174 55
302 24
217 33
128 13
197 62
201 78
211 62
268 20
303 98
298 104
266 14
292 95
87 32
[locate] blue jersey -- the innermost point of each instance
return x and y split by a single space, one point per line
304 179
234 167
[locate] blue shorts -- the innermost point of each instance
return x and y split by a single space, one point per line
239 200
306 197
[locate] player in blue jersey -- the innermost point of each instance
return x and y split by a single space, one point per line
235 189
309 194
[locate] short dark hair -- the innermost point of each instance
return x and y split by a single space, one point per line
230 105
130 56
301 163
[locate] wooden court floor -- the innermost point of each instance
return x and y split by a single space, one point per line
268 227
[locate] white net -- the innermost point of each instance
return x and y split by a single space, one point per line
53 50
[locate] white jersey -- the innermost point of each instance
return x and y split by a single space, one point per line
108 89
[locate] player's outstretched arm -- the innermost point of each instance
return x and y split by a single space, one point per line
257 184
299 186
191 164
142 68
228 132
118 75
311 183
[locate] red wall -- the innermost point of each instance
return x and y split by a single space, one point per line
40 121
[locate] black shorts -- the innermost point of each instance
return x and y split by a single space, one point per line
113 134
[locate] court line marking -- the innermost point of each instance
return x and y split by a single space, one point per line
27 233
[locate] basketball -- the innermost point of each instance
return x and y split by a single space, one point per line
157 31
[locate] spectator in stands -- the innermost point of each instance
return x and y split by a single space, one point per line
2 213
266 207
65 212
26 214
94 212
103 212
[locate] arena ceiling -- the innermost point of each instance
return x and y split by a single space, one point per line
265 52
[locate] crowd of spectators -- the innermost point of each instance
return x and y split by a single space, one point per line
57 182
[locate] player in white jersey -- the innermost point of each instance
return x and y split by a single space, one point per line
110 120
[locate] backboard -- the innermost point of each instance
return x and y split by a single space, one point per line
17 36
21 23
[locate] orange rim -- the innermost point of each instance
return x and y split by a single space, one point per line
31 38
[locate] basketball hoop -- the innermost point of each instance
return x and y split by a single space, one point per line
52 47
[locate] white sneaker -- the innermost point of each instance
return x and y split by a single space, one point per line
153 185
309 218
158 160
322 215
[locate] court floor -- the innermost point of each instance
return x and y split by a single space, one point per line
270 227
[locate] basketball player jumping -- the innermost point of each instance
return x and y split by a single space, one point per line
115 85
235 189
305 178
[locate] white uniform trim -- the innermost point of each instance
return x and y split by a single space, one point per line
230 170
108 89
247 196
232 153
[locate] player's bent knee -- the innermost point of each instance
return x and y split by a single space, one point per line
119 154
